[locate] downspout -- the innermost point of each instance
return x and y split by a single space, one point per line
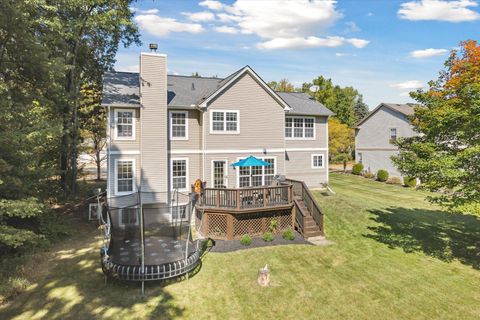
326 153
203 145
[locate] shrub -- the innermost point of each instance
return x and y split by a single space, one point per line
394 180
12 288
409 181
357 168
268 237
369 175
382 175
273 225
246 240
288 234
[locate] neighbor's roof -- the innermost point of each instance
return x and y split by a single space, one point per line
123 89
404 109
302 103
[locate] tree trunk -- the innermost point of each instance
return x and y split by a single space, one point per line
98 162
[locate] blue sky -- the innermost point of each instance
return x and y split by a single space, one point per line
382 48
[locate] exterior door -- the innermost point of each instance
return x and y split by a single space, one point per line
219 169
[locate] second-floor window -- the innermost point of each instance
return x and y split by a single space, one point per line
226 122
300 128
124 124
179 125
393 134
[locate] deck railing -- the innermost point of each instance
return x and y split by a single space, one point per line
301 191
246 198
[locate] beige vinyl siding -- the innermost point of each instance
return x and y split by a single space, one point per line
234 157
261 118
153 90
124 145
374 160
299 167
194 141
320 136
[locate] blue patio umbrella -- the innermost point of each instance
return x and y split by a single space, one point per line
251 161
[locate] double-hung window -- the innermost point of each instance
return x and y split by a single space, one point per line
129 216
393 134
124 124
179 174
300 127
317 161
225 122
124 176
258 175
179 125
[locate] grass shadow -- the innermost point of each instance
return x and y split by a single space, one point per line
440 234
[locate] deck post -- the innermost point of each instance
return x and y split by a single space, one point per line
294 214
229 227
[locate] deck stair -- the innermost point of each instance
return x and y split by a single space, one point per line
308 216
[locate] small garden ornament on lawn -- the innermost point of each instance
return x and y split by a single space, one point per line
264 277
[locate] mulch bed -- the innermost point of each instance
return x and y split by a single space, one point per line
235 245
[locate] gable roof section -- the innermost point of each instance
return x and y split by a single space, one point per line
122 89
403 109
225 83
303 104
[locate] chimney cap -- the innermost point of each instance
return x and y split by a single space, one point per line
153 47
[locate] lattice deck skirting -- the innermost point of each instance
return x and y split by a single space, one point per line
226 226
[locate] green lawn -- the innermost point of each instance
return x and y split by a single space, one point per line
394 257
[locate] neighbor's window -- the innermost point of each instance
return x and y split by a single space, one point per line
300 127
224 122
179 174
124 125
360 157
393 134
179 125
128 216
125 176
256 176
317 161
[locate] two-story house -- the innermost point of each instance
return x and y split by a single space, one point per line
374 135
166 131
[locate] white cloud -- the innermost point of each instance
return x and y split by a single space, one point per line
212 5
427 53
369 14
451 11
309 42
408 85
404 94
357 43
140 11
352 27
343 54
199 16
226 29
225 17
161 27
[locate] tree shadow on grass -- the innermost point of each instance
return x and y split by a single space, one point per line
443 235
74 288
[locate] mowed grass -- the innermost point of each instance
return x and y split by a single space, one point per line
394 256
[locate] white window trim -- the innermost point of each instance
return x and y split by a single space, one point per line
213 173
323 160
115 172
390 133
237 169
120 215
187 184
224 122
115 123
171 125
293 127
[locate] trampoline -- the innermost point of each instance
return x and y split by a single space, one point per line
148 237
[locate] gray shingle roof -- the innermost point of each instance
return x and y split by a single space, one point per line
123 89
302 103
405 109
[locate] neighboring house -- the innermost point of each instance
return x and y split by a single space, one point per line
166 131
374 134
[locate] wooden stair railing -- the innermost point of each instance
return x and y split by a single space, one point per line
309 217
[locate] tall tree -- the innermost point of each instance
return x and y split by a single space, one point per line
341 141
446 153
360 109
283 85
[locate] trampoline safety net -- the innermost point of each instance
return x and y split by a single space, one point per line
166 248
